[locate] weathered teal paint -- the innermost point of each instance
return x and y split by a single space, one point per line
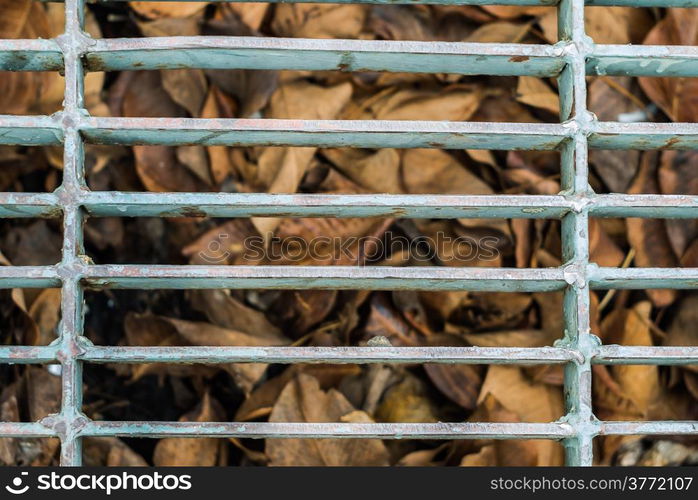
570 60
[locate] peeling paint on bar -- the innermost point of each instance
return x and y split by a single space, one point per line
324 277
571 60
325 133
222 52
629 3
361 355
354 430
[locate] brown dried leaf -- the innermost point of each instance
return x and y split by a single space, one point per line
503 453
20 91
649 236
302 400
225 311
433 171
46 311
250 13
616 168
281 169
531 401
534 92
677 176
406 401
514 11
450 104
617 25
204 452
639 383
682 331
460 383
110 452
156 10
361 165
677 96
318 20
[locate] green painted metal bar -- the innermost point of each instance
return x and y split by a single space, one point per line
220 52
325 133
628 3
278 430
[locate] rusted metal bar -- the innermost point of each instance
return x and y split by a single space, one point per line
264 430
326 277
360 355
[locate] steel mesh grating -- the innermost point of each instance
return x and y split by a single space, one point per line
574 57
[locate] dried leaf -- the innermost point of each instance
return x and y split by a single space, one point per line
302 400
649 236
318 20
677 96
531 401
534 92
156 10
203 452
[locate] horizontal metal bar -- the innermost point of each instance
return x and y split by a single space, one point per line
391 2
20 354
360 355
222 52
30 55
264 430
122 204
615 135
324 277
644 206
383 133
653 428
16 205
30 130
639 278
606 355
348 277
47 130
325 133
29 277
646 355
628 3
144 204
25 430
644 60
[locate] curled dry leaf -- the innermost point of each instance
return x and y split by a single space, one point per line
110 452
318 20
677 175
534 92
503 453
21 90
203 452
530 401
682 329
649 236
608 100
638 383
514 11
157 10
302 400
677 96
281 169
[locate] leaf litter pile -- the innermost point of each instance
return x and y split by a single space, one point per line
348 393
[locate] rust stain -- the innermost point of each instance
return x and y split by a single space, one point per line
518 58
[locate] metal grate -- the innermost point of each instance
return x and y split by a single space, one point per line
571 60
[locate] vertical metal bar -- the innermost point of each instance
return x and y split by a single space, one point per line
575 235
72 45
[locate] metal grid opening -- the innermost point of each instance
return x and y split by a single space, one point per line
570 60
